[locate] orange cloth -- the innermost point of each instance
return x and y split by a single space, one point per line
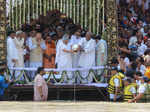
50 50
147 73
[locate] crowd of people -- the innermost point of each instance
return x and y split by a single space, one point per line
63 46
131 67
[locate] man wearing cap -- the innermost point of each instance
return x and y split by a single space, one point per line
115 86
64 53
50 51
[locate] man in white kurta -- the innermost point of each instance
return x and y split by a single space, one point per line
19 43
37 45
64 59
12 53
101 55
75 39
87 57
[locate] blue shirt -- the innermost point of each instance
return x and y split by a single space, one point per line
3 85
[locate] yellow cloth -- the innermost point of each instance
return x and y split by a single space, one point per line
147 73
127 93
36 55
111 86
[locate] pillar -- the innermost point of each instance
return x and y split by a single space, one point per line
2 33
112 28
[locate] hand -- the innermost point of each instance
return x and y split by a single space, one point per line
130 101
71 51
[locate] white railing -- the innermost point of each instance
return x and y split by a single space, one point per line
58 75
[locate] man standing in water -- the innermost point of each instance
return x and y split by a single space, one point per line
40 86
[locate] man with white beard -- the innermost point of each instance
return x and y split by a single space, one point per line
12 53
64 58
19 43
37 45
75 39
87 57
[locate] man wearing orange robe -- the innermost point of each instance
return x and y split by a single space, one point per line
50 51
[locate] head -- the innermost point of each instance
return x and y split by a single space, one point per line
114 70
48 39
78 33
148 19
140 23
88 35
60 31
33 33
134 65
114 62
138 33
24 35
38 36
19 34
137 75
144 79
127 81
140 40
12 34
53 35
65 39
40 71
97 38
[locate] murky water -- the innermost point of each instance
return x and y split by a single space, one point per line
60 106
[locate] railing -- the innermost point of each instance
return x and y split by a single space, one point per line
57 75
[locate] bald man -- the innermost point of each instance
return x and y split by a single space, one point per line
87 57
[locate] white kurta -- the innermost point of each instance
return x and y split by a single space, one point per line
12 52
75 56
101 53
20 48
87 58
57 51
101 57
65 60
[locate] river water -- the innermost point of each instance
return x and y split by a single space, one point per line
67 106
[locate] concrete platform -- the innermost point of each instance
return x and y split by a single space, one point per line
86 92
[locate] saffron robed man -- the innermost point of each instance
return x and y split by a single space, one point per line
115 87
